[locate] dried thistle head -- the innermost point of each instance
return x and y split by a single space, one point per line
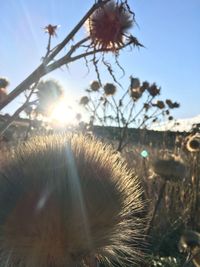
144 87
153 90
169 169
48 93
160 104
95 85
51 30
193 143
3 82
135 83
135 94
108 25
64 198
84 100
109 89
171 104
190 243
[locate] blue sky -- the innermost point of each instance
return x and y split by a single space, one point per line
169 30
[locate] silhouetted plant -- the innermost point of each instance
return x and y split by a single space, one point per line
100 40
138 107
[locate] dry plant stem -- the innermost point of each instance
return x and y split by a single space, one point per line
196 185
9 122
43 69
160 196
124 130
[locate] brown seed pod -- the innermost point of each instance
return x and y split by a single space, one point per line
135 83
49 93
160 104
135 94
153 90
84 100
95 86
64 198
3 82
109 89
108 24
145 86
193 143
169 169
190 243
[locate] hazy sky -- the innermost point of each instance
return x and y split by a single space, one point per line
169 30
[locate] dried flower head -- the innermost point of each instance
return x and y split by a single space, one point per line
84 100
108 24
109 89
135 83
193 143
64 198
153 90
95 85
49 93
172 104
135 94
190 243
169 169
169 103
145 86
160 104
170 118
3 82
51 30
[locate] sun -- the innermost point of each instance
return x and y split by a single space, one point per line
63 114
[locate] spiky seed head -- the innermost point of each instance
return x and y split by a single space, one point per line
193 143
108 24
190 243
84 100
169 169
51 30
169 103
3 82
160 104
176 105
135 83
95 85
109 89
189 239
64 198
49 92
135 94
153 90
145 86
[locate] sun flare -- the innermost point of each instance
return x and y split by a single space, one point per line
63 113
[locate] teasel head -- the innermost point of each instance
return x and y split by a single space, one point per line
190 243
94 86
170 169
3 82
84 100
109 89
153 90
135 94
64 198
193 143
109 24
49 92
